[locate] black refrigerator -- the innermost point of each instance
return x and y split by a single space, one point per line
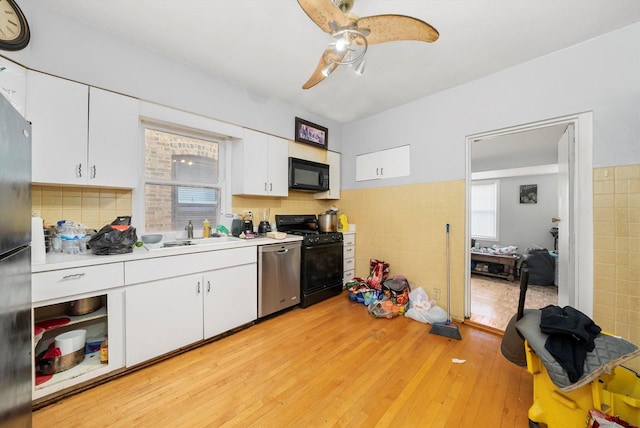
15 268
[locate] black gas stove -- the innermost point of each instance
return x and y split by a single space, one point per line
307 227
321 267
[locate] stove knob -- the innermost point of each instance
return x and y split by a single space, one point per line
314 240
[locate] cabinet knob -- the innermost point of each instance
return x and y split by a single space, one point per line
79 171
93 172
208 286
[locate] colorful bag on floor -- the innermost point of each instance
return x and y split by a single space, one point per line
378 273
397 291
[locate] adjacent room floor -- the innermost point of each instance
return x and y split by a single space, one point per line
494 301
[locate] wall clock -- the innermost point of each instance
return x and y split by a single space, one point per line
14 29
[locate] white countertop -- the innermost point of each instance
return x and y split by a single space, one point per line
55 261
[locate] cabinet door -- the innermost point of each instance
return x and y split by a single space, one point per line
231 298
278 166
113 139
249 164
367 167
58 110
162 316
333 159
396 162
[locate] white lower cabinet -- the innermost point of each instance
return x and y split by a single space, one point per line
164 315
230 298
107 320
349 256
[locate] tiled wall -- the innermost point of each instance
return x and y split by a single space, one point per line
616 229
93 207
296 203
406 227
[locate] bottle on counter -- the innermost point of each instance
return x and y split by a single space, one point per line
104 351
206 232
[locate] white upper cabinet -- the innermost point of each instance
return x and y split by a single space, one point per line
81 136
58 110
13 81
333 159
388 163
113 139
260 165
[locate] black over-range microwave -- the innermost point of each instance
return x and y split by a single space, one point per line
308 175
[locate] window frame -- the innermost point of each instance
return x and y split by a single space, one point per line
496 210
221 186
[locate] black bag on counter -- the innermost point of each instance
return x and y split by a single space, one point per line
113 238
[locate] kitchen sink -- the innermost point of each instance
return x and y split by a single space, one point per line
199 241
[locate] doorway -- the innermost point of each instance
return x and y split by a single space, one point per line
533 150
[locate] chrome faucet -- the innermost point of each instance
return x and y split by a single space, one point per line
189 229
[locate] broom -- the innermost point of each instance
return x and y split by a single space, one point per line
444 328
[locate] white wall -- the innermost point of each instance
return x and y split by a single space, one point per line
72 50
526 225
599 75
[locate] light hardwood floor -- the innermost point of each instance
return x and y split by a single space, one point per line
495 301
331 364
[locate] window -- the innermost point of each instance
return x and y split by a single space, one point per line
182 180
484 210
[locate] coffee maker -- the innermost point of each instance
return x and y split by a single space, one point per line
264 226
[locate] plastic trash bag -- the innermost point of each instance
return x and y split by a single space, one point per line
114 238
424 309
382 309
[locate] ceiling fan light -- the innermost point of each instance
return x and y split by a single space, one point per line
342 44
359 68
326 71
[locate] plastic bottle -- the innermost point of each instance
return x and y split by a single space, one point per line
206 232
104 351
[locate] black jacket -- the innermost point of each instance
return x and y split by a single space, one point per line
571 336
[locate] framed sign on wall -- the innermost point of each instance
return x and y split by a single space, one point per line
310 133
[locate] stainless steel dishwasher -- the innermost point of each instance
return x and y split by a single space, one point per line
278 277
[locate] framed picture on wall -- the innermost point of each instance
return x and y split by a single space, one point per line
310 133
529 194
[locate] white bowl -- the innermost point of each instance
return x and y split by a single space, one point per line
153 238
71 341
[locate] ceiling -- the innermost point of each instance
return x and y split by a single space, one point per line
272 47
532 147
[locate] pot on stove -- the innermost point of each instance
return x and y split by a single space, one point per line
328 222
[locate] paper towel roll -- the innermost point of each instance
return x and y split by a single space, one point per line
38 252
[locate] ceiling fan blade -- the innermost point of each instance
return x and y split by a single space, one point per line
317 75
322 12
389 28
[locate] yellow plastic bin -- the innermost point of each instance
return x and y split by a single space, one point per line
620 396
615 394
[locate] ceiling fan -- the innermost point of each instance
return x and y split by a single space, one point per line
353 35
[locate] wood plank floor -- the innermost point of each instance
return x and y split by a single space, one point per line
331 364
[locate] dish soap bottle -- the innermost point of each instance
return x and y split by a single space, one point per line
104 351
206 232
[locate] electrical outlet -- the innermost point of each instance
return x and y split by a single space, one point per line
35 213
436 293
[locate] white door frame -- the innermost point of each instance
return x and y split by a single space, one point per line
579 292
